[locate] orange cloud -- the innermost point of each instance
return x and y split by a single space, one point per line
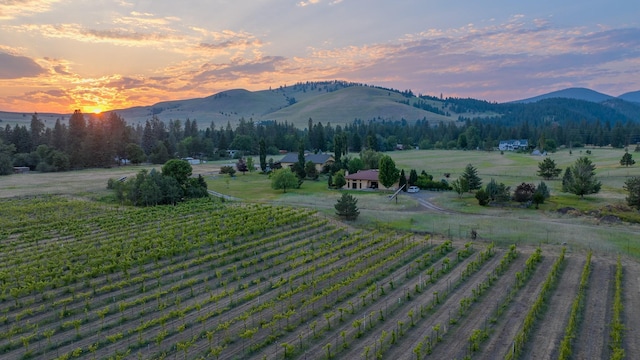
20 8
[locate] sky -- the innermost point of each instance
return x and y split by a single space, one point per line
98 55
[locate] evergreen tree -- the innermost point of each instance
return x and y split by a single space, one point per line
337 148
547 169
413 177
402 181
387 172
347 207
37 131
471 177
584 181
6 151
627 159
263 155
498 192
632 186
77 133
58 136
567 179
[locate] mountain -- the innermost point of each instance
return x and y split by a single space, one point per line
570 93
631 96
335 102
340 102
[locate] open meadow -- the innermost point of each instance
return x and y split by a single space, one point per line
276 275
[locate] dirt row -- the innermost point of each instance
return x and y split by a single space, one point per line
455 344
544 341
442 313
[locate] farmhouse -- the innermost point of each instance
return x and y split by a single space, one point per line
513 145
320 160
365 179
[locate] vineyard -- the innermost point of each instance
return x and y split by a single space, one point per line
207 279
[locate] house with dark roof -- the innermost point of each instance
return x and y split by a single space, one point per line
365 179
319 160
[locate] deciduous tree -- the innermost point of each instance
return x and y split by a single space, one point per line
460 186
338 179
241 165
387 172
310 170
524 192
284 179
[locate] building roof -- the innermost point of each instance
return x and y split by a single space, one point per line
315 158
513 141
371 175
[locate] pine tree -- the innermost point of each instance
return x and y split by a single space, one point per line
470 175
632 186
413 177
402 181
347 207
567 179
584 181
627 159
263 155
547 169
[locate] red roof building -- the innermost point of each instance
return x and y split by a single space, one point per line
365 179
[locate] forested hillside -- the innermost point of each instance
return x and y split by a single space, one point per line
109 140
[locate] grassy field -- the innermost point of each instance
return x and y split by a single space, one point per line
242 280
500 224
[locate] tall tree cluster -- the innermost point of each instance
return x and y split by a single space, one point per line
105 140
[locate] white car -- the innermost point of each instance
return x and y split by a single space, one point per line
413 189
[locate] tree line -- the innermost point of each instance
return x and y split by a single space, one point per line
108 140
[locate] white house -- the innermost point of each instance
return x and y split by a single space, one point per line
513 145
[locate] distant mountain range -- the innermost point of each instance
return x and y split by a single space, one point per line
339 102
583 94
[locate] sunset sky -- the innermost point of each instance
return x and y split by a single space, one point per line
61 55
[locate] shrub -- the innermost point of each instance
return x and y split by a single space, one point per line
524 192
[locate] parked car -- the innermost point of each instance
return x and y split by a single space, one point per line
413 189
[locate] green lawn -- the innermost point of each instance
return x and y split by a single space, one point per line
494 223
500 224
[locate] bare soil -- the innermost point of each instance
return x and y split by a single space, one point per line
591 342
503 331
631 303
456 344
545 339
